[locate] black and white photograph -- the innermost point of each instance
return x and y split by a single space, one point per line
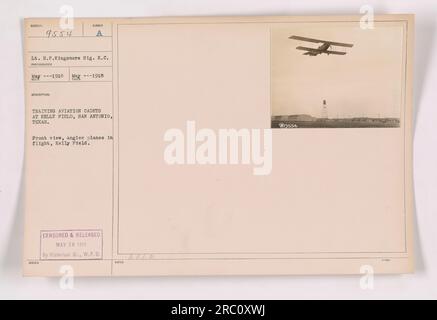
338 75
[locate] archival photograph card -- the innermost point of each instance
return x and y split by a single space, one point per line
218 145
320 83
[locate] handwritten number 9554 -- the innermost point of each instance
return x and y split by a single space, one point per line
58 33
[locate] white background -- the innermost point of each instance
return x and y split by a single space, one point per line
422 284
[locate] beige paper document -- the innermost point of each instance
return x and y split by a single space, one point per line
218 145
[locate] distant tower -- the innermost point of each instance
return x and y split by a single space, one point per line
324 110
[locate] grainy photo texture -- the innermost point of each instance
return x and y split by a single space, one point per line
337 75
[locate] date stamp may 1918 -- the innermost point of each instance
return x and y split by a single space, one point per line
71 244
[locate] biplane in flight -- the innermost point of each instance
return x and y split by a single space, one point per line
323 48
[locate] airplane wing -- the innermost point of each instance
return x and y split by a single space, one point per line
340 44
335 52
309 49
306 39
314 50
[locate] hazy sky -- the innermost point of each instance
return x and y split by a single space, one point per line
367 81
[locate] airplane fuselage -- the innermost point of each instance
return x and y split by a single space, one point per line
323 49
